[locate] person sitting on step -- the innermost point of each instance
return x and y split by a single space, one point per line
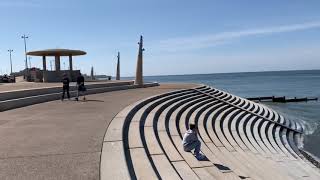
190 141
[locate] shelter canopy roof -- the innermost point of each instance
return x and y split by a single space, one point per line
57 52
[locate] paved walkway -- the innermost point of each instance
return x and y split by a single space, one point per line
62 140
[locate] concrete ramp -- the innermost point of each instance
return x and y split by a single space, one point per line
24 97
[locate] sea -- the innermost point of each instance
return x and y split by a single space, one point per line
302 83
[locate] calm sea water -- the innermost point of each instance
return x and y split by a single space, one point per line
280 83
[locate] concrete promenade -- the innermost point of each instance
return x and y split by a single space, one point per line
62 140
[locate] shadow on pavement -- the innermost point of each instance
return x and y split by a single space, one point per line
91 100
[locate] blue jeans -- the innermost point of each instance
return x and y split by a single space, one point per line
196 145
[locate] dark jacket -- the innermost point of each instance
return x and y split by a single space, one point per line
80 80
65 81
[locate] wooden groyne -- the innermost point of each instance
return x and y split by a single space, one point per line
282 99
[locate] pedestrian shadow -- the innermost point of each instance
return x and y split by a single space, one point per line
204 159
91 100
222 167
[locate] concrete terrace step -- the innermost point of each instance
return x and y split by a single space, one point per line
121 124
196 115
21 98
21 93
144 140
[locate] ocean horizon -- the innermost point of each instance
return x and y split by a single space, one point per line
241 72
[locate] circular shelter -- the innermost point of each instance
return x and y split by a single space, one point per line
55 76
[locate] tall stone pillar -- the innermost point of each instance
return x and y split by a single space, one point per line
118 67
92 74
57 63
44 72
71 68
139 70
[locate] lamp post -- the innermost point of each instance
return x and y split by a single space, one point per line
24 37
10 51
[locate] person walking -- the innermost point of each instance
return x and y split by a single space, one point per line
191 142
80 87
65 86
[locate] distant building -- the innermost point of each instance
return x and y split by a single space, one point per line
35 75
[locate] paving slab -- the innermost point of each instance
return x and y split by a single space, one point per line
114 132
185 171
171 151
134 135
203 174
151 140
164 167
141 164
113 164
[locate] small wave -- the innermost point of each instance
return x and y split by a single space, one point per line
309 125
300 142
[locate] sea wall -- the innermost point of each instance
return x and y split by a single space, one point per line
20 98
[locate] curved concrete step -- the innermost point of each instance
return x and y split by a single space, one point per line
236 135
116 142
269 146
235 145
141 134
191 161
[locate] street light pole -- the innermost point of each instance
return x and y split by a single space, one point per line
24 37
10 51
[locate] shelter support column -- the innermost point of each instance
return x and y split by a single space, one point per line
70 63
57 63
70 67
44 72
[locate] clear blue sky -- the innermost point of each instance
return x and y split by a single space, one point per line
181 36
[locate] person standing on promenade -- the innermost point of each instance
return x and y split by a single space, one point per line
65 86
190 141
81 88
